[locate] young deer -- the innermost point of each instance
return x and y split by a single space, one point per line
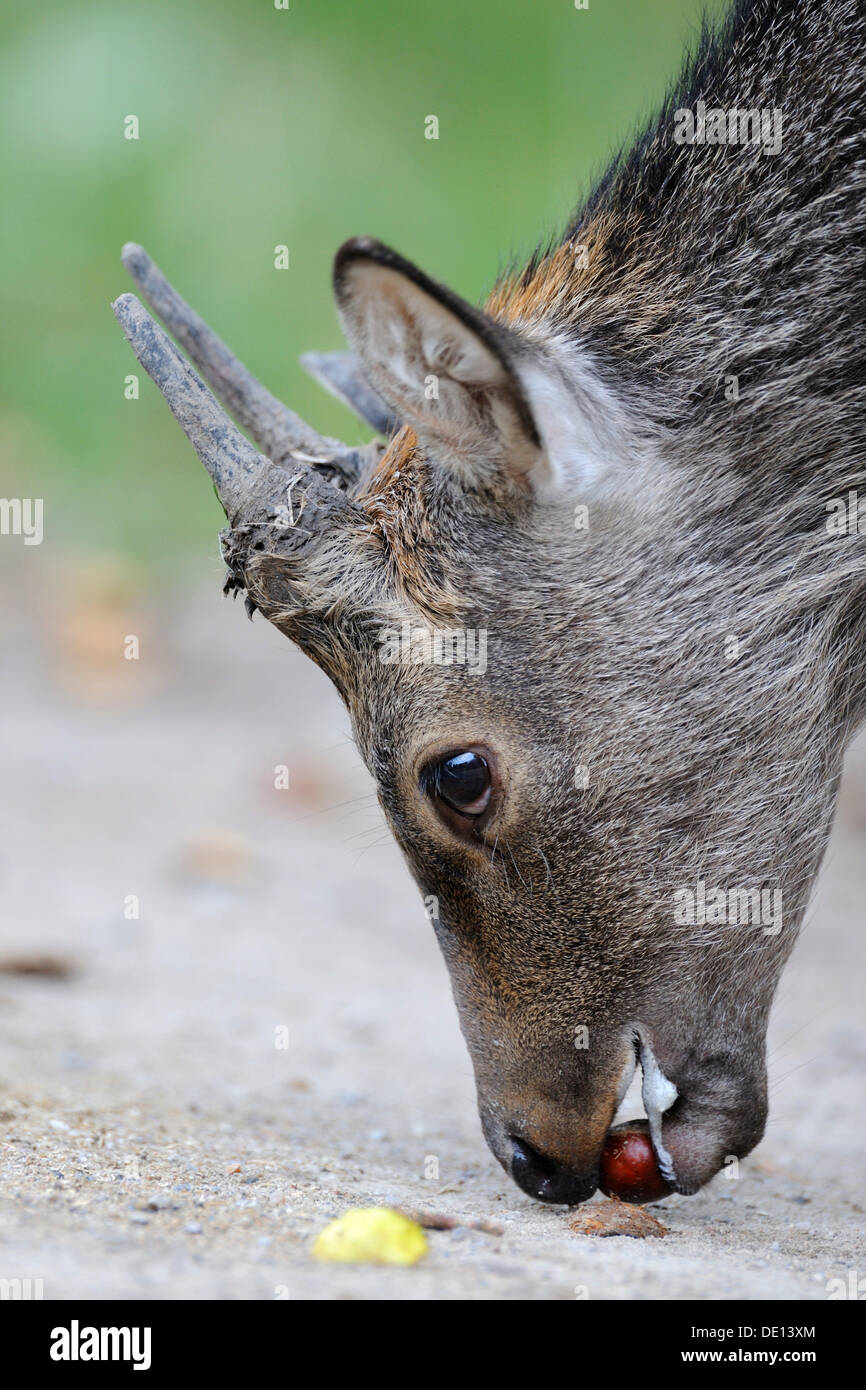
631 480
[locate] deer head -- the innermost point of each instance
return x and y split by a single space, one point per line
526 599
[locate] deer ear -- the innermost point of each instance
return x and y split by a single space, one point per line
445 368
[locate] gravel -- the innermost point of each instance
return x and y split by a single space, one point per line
269 1037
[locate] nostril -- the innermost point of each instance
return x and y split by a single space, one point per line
529 1162
545 1178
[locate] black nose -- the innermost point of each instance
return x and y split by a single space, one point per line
545 1179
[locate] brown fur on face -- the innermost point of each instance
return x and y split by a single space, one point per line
396 499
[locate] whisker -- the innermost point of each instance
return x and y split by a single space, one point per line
779 1046
516 866
329 809
502 860
376 844
540 851
777 1080
368 830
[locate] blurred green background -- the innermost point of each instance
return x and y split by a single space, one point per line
261 126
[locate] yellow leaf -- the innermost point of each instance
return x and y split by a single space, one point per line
371 1235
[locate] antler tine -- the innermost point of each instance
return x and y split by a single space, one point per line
342 375
278 431
230 459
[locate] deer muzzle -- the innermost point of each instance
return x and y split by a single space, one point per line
703 1113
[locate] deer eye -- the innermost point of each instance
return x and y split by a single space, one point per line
461 789
464 782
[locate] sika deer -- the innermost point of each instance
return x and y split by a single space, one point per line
636 473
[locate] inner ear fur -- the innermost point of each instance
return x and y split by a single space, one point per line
443 366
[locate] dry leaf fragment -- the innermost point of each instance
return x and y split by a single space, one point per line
613 1218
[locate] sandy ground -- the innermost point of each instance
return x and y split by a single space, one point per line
155 1140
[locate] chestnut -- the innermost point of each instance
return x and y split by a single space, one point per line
628 1165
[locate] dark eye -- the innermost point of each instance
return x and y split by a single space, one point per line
464 782
461 788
